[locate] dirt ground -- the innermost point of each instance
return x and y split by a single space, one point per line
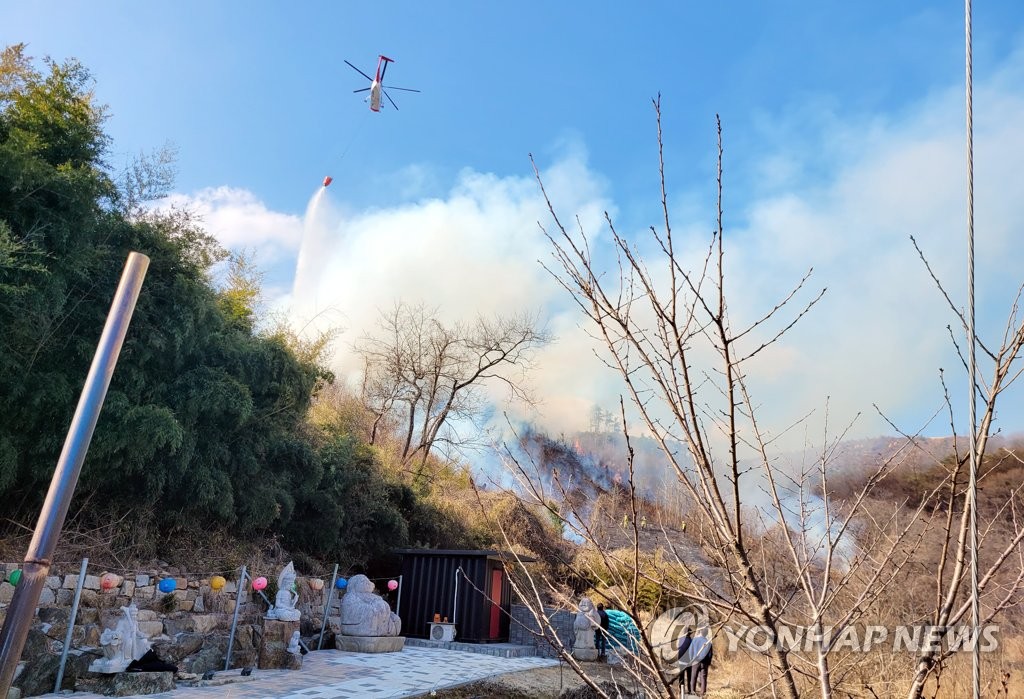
543 683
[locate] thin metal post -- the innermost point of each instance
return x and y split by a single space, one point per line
398 602
234 621
327 607
71 626
65 477
455 602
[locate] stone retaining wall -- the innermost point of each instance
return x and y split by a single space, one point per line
524 630
189 627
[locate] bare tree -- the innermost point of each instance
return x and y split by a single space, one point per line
1000 586
429 378
777 550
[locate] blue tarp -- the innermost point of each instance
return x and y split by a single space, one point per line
622 630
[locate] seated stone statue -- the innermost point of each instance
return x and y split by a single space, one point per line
122 644
587 619
283 608
364 613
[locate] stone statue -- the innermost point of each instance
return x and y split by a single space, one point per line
283 608
293 645
364 613
587 620
121 644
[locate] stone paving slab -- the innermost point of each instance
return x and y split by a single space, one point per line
333 674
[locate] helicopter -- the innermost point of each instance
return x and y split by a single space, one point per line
376 88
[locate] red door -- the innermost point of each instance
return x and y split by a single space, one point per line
496 584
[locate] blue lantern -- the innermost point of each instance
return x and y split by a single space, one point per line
341 584
168 585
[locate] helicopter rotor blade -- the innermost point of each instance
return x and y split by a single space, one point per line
365 89
359 71
403 89
390 100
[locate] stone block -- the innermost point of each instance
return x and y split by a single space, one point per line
53 582
6 592
127 684
176 649
64 597
151 628
230 588
47 597
141 580
176 624
274 643
147 615
181 583
244 638
211 657
89 598
92 582
88 616
70 582
369 644
128 588
199 605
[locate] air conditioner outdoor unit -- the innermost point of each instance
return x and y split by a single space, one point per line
442 632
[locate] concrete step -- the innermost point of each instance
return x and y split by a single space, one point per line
499 650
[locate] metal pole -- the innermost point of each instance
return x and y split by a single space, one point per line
71 626
69 466
234 621
972 484
398 602
327 607
455 602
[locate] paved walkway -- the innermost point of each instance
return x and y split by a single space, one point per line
332 674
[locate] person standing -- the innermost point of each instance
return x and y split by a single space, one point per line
601 634
684 660
703 654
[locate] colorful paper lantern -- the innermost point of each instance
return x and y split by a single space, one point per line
392 585
259 583
15 576
341 584
109 581
316 584
168 585
217 583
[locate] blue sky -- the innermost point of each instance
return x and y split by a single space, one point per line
841 124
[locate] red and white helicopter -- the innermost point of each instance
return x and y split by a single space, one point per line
376 87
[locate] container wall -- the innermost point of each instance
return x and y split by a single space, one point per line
428 587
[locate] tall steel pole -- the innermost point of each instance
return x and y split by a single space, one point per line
69 466
972 483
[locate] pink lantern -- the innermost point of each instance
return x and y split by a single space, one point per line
259 583
109 581
392 585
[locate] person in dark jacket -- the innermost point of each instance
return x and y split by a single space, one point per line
684 659
601 634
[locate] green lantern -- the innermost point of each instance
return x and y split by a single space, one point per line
15 576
